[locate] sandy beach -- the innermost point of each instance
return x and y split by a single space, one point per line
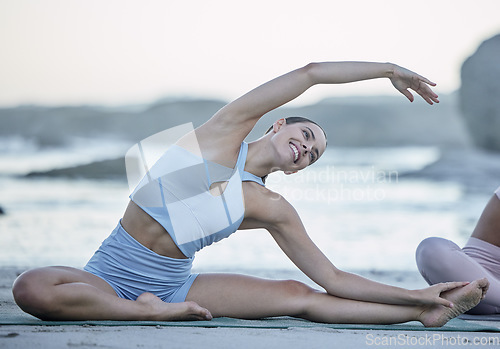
73 336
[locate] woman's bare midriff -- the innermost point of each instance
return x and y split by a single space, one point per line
148 232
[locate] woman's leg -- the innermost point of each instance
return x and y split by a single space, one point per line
64 293
440 260
251 298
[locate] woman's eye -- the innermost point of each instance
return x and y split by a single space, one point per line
306 134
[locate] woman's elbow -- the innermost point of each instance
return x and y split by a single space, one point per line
310 70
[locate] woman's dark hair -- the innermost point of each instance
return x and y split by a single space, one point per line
296 119
293 120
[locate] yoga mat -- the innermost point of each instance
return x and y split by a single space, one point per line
492 317
268 323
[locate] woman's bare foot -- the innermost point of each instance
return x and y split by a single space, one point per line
463 299
163 311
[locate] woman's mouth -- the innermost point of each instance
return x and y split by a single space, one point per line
296 153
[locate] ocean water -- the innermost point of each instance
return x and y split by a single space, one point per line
356 204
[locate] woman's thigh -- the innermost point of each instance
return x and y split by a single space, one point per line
441 260
249 297
41 279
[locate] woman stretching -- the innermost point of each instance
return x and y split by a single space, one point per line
204 188
441 260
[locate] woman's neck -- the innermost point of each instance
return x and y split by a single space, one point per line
260 157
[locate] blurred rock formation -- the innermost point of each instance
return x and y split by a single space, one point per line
480 94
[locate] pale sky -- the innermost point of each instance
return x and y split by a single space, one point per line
116 52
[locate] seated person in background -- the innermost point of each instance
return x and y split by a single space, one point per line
441 260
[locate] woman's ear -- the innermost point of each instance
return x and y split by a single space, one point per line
278 124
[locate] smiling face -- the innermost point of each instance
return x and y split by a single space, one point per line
297 145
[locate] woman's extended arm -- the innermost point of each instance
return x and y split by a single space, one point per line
231 124
401 78
285 88
288 231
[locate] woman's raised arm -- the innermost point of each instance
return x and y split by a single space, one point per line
254 104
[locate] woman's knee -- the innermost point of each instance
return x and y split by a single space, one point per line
297 289
436 258
433 249
31 290
299 295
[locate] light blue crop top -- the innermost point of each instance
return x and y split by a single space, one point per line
175 192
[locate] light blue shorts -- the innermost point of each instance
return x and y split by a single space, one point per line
132 269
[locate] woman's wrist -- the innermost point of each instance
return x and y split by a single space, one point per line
389 69
414 296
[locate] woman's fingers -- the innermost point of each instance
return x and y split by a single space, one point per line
425 97
451 285
426 93
427 81
407 94
404 80
447 286
445 302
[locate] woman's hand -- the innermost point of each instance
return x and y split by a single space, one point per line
403 79
432 294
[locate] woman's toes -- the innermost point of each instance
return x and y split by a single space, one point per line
198 311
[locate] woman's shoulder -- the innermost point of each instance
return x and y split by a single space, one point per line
264 205
225 127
